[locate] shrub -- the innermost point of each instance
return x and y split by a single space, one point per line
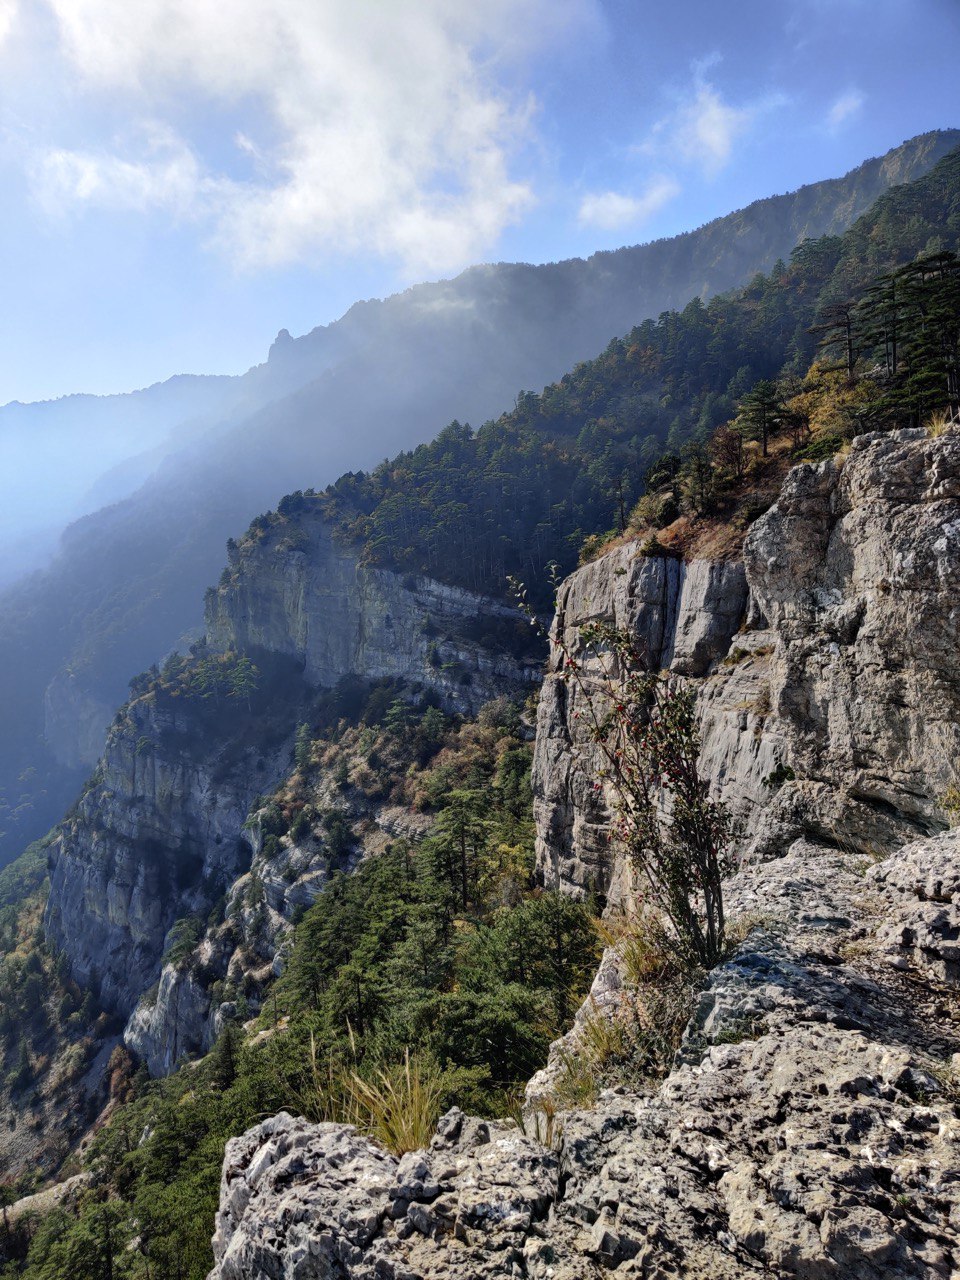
646 732
182 939
301 826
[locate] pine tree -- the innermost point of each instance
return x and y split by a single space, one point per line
837 328
244 680
760 410
302 749
225 1055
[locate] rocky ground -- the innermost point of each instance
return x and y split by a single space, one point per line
809 1127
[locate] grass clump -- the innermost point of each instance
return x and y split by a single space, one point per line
398 1105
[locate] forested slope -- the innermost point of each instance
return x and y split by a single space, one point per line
472 507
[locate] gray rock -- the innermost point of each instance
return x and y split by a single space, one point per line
315 1201
299 1201
713 602
684 617
923 926
311 599
808 1129
162 824
857 569
833 713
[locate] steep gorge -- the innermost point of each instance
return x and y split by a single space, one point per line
125 584
162 835
824 662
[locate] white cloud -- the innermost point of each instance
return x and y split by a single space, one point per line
704 129
610 210
166 176
847 105
354 127
8 15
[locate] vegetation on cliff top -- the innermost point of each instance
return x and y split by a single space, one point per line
472 507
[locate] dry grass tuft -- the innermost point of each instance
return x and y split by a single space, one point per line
397 1105
400 1105
939 423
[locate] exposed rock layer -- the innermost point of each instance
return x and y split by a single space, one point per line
857 568
296 591
828 678
157 837
160 835
683 618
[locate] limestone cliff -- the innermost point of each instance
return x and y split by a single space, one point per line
685 617
857 568
809 1125
161 834
826 663
156 837
294 589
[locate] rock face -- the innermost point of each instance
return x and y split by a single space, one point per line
73 721
684 617
827 664
294 590
924 930
158 824
159 837
310 1201
857 568
809 1129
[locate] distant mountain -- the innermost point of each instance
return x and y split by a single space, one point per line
62 459
127 580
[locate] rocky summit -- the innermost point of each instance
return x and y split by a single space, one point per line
808 1129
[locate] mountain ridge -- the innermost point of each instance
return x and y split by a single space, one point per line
125 591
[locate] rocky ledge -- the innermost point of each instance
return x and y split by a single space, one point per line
810 1126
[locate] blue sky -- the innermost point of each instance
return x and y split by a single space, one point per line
182 178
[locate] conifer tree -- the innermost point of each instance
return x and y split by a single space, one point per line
760 410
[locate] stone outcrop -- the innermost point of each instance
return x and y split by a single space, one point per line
161 833
310 1201
857 568
171 1022
809 1128
154 838
684 618
294 589
924 929
827 664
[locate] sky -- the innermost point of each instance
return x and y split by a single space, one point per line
183 178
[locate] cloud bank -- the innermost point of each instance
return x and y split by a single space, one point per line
699 134
703 129
364 127
846 106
